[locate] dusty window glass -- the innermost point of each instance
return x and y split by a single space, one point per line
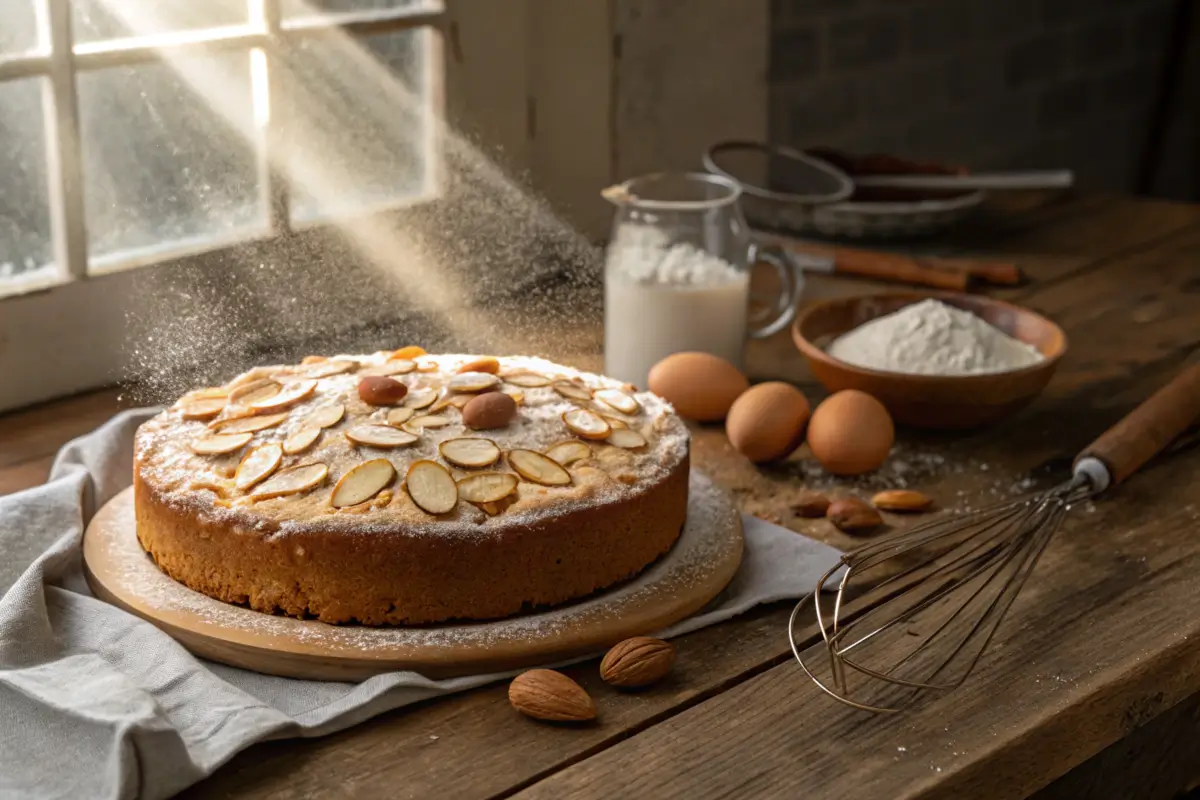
169 156
25 233
100 20
349 150
309 8
18 26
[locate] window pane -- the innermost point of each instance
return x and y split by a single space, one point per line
18 26
168 154
25 243
97 20
312 8
358 123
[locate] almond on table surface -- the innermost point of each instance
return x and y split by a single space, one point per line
549 695
636 662
902 500
851 515
810 505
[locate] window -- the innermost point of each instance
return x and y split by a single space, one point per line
186 114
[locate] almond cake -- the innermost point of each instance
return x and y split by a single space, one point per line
405 488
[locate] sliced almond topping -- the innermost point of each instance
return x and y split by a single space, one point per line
533 466
473 382
248 424
397 366
628 439
398 416
249 393
420 398
326 417
486 364
292 393
516 394
499 506
410 352
257 465
622 402
429 421
487 487
380 436
530 380
569 452
470 452
301 439
362 483
292 480
615 422
312 360
427 365
587 423
572 391
327 369
451 401
216 444
204 408
431 487
207 393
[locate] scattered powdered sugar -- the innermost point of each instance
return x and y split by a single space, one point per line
645 254
703 546
933 338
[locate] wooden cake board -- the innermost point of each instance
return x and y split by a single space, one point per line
682 582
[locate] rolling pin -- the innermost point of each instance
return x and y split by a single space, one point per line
948 274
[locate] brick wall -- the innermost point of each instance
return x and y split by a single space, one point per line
990 83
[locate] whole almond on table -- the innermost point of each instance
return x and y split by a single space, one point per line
851 515
549 695
811 505
489 410
637 662
902 500
380 390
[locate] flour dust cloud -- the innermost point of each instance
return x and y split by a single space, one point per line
464 256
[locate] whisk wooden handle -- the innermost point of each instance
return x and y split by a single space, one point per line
1150 427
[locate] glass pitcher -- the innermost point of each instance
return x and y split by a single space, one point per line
677 275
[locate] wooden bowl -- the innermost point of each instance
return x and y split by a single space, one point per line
931 401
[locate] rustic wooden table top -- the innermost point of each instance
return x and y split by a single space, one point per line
1091 688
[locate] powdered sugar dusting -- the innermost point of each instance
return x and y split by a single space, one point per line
711 538
612 474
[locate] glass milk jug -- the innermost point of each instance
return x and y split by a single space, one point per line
677 275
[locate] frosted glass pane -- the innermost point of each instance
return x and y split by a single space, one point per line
168 154
98 20
18 26
25 238
358 123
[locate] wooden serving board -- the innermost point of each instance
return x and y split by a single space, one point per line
688 577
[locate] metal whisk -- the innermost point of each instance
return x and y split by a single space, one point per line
947 584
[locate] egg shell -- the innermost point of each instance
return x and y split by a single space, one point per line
850 433
700 386
766 422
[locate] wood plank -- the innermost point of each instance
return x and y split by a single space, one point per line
508 752
29 473
39 431
1086 656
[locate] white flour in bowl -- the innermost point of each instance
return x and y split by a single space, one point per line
933 338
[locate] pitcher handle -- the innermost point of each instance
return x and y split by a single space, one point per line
784 308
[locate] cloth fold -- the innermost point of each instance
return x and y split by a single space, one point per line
95 702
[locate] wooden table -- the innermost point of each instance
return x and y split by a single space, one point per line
1091 689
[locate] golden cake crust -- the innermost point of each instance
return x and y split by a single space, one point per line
385 560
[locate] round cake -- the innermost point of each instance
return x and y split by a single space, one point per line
408 488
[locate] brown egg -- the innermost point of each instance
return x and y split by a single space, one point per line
850 433
700 386
767 422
